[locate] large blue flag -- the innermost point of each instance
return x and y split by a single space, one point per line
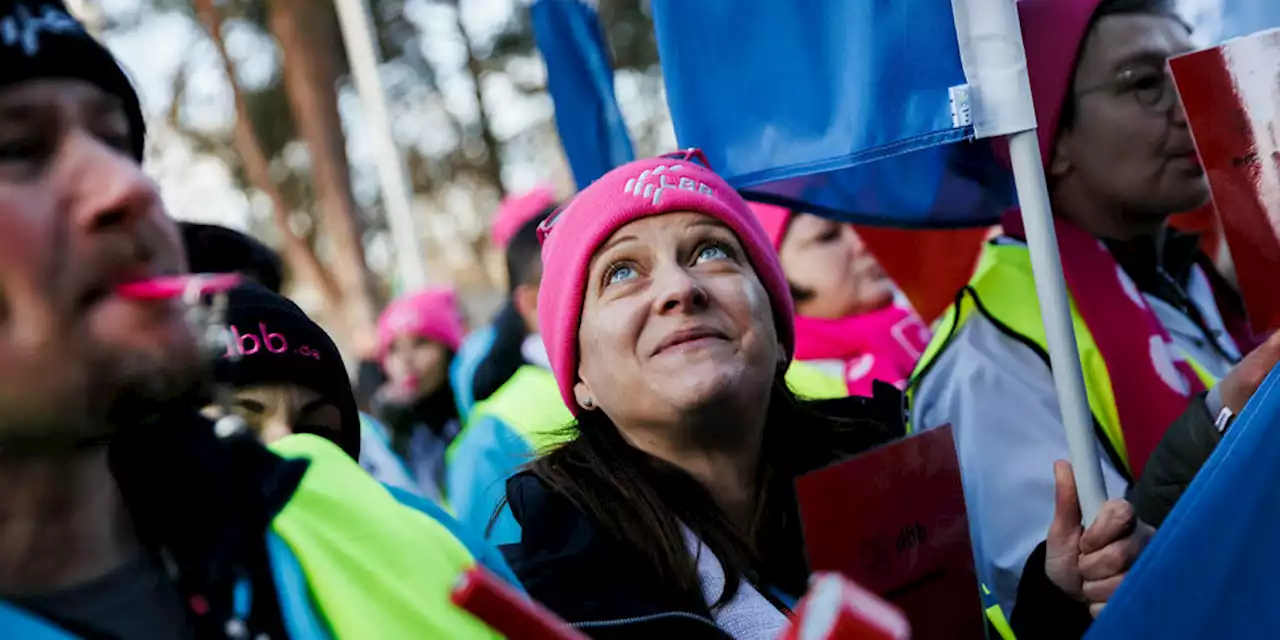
1210 572
854 109
863 110
580 80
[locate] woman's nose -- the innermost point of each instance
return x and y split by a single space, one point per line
678 290
276 428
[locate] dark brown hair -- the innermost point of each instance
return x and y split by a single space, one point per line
642 501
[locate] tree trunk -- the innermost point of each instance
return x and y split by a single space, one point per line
492 161
307 37
296 253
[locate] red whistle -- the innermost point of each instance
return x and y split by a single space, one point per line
506 611
166 287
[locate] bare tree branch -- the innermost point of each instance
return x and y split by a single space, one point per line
297 253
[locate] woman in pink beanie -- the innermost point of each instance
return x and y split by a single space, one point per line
418 335
851 321
670 510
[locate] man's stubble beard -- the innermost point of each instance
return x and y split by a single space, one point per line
114 391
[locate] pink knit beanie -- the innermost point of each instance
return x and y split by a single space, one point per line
519 209
428 313
774 219
1053 33
666 184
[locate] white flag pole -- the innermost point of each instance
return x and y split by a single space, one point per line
397 196
995 64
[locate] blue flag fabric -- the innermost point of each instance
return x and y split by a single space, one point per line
1210 572
580 81
844 109
1216 21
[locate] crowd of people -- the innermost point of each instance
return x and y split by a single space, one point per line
620 442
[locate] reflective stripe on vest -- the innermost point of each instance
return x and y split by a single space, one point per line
374 568
809 382
1003 290
995 615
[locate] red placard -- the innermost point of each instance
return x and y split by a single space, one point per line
1231 94
893 520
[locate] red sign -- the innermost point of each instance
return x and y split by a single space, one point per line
893 520
1231 94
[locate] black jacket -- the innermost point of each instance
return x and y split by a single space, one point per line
610 592
207 503
1174 463
608 589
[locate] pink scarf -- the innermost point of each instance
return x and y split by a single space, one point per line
880 345
1151 387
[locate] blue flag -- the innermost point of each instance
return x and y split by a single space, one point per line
1216 21
854 109
1210 572
862 110
580 80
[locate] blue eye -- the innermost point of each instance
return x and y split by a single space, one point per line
619 273
712 252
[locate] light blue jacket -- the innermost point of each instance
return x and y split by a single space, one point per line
525 416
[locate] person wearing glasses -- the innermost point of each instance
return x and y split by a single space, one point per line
1119 161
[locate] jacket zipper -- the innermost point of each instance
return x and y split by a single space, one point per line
595 624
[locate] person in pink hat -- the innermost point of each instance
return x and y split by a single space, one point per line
1119 160
418 334
669 510
851 321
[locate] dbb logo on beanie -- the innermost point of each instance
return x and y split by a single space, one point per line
247 344
23 27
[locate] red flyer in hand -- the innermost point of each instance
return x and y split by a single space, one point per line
893 520
1231 94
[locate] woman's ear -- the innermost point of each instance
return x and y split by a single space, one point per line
582 393
1060 166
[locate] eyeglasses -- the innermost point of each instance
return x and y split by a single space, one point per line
1152 88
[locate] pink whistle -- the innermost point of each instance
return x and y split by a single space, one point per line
167 287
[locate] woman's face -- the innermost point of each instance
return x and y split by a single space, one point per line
674 320
278 410
828 260
1129 147
417 363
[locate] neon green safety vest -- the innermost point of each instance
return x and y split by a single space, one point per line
811 383
530 404
995 615
1003 290
374 568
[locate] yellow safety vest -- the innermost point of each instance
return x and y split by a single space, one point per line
530 404
374 568
811 383
995 615
1003 290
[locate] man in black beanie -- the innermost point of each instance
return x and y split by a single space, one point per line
124 514
215 249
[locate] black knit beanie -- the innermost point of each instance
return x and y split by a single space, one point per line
279 344
215 249
39 39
